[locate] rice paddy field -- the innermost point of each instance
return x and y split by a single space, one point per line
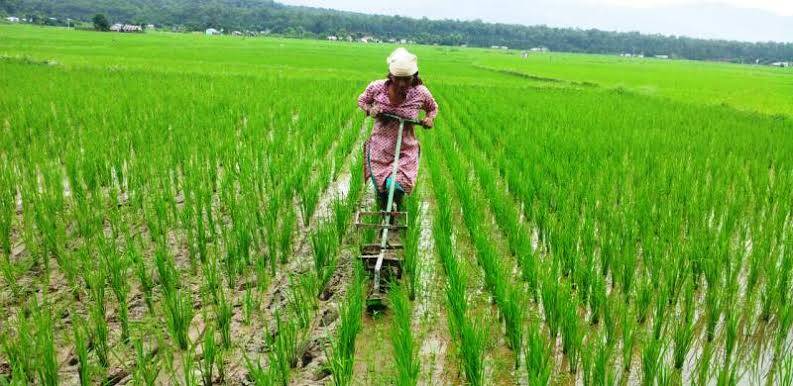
178 209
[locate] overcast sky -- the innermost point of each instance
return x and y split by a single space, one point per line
749 20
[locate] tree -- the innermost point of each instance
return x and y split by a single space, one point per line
101 23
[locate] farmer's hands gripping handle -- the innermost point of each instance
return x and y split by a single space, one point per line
427 123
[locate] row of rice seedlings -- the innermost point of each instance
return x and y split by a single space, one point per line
463 324
329 234
292 326
504 209
628 219
309 195
342 353
505 295
94 174
410 264
402 340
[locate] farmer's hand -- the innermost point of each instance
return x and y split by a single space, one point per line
374 110
427 122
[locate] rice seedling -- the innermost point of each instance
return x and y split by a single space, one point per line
683 338
209 351
287 228
47 363
20 350
117 266
651 361
146 365
80 335
223 314
188 367
538 356
282 349
628 338
178 315
644 297
325 243
7 209
612 311
259 375
220 364
597 299
571 331
144 276
100 331
402 340
703 364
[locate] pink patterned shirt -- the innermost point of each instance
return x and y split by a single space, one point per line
379 149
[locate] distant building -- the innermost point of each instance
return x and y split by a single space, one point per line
781 64
131 28
494 47
211 31
13 19
368 39
150 26
236 33
403 41
333 38
662 56
118 27
539 49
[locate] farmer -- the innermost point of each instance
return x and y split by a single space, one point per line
403 94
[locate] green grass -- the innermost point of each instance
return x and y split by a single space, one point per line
744 87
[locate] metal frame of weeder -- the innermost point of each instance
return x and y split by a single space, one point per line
386 226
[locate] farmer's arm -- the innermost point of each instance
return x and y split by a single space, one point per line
366 99
430 106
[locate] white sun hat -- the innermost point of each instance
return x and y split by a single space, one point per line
402 63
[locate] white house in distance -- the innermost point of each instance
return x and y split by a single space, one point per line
662 56
118 27
782 64
333 38
211 31
13 19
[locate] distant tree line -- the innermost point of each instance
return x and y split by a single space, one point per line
265 15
